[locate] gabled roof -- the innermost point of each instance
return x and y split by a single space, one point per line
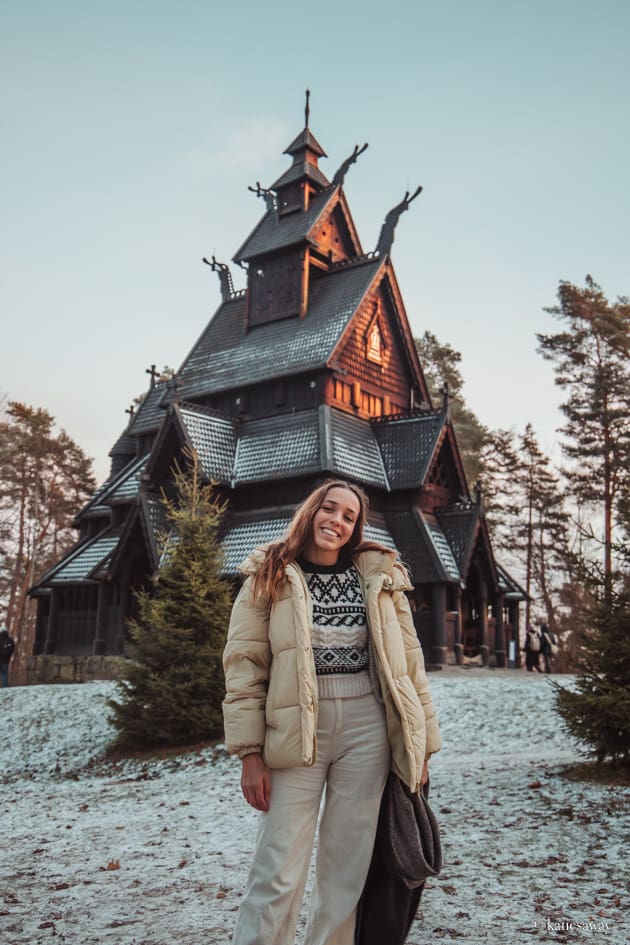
79 565
148 518
423 547
511 589
440 547
213 437
460 525
352 448
275 232
120 488
126 484
305 141
225 358
150 413
407 445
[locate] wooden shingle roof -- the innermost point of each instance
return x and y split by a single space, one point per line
224 358
407 445
275 232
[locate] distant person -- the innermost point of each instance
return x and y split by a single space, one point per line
7 646
548 646
533 646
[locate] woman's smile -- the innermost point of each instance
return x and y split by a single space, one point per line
332 525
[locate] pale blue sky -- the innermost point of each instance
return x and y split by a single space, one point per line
131 130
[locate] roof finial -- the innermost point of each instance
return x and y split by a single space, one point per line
339 177
388 229
153 371
225 277
307 108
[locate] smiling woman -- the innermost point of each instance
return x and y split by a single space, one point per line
325 688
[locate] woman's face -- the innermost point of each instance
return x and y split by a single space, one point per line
332 525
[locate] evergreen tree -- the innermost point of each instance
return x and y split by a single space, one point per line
542 533
440 365
591 357
597 712
45 478
525 507
173 687
502 498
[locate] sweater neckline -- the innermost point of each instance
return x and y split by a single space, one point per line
309 567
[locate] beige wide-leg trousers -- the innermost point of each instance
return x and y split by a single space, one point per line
353 758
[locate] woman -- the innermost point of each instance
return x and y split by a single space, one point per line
325 687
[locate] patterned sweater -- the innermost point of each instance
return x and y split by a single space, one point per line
340 632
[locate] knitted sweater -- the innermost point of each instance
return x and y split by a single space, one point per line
340 632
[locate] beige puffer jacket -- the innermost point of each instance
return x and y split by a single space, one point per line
271 700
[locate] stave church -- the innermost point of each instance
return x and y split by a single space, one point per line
309 372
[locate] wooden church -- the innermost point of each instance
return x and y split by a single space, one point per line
310 372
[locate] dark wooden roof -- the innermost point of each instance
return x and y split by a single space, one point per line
284 446
150 413
305 141
213 437
352 449
225 358
83 561
423 547
275 232
509 587
125 445
460 525
279 447
300 171
407 445
119 488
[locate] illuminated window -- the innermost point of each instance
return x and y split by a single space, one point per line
375 343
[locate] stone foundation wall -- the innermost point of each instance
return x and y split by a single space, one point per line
72 669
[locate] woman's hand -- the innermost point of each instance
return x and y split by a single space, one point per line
425 773
255 781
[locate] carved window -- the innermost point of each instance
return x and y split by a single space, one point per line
375 338
375 344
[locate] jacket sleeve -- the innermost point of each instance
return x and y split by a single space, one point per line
416 670
246 662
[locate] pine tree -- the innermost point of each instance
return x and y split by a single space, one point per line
542 533
440 365
45 478
173 687
597 712
591 357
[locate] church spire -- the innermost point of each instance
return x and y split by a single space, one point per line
306 147
303 179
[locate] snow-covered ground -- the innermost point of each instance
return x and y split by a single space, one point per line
156 852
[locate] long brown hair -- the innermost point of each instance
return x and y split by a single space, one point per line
278 555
